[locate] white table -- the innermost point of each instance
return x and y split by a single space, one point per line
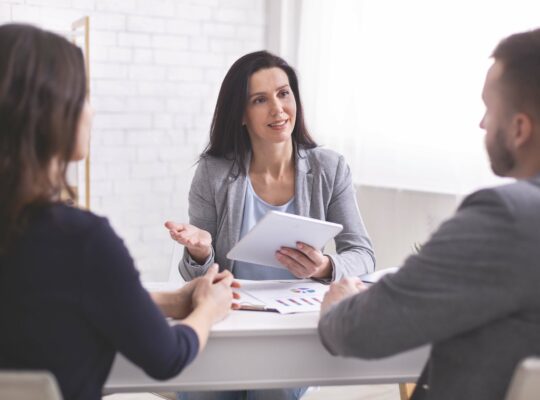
256 350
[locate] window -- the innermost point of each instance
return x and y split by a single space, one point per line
395 85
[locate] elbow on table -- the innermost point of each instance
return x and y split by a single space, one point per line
160 373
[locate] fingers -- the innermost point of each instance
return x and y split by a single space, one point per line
361 285
192 236
224 277
211 272
169 224
173 226
351 281
296 262
310 252
344 288
297 256
223 274
176 231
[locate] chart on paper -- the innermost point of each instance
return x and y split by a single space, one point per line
286 296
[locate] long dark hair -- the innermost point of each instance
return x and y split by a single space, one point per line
42 92
228 138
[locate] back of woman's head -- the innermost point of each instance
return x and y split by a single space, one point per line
228 138
42 92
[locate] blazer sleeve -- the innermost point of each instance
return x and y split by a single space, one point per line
460 280
355 254
202 214
121 310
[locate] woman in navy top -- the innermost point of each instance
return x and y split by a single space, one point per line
70 297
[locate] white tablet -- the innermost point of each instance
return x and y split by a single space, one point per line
277 229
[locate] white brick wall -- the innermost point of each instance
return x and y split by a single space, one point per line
156 67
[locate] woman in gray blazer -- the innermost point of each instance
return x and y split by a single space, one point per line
261 158
261 154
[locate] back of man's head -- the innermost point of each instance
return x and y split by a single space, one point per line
520 80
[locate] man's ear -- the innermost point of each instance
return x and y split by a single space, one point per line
521 130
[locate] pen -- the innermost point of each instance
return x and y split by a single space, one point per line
253 307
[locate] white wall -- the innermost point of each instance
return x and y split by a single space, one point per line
156 67
398 219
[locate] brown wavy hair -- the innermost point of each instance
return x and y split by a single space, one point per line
42 93
228 138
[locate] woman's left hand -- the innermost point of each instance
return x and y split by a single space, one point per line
305 261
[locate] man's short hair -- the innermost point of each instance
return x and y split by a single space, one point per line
520 80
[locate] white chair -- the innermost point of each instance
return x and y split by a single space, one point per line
28 385
525 384
176 257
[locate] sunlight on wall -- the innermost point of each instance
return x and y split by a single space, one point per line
395 86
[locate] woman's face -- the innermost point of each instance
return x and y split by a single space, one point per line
271 107
82 140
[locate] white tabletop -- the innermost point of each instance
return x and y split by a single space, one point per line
256 349
250 323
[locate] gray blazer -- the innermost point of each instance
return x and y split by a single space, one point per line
323 190
473 291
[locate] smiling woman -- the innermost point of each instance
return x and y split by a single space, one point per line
261 158
271 109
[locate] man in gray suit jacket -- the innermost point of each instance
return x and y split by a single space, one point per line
473 291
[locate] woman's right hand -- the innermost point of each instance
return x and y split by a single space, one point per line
197 241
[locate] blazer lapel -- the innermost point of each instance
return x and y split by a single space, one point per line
236 195
303 184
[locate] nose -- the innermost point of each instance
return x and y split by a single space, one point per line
277 107
482 124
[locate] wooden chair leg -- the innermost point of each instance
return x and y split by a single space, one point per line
406 390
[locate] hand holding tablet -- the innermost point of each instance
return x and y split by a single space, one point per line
277 229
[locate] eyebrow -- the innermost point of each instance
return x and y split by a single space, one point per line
259 93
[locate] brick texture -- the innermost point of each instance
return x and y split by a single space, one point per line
156 67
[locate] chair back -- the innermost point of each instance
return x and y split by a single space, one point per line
28 385
525 384
176 256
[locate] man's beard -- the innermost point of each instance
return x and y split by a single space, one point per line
502 160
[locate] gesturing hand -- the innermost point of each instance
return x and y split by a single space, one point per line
305 261
197 241
340 290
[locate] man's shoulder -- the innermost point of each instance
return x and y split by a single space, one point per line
520 191
519 198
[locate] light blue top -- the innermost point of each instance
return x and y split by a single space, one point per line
254 209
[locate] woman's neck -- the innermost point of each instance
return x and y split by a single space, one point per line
275 160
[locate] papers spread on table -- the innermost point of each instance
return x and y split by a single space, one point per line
283 296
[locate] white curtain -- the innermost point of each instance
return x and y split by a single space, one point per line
395 85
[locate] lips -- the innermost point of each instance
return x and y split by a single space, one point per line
278 124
